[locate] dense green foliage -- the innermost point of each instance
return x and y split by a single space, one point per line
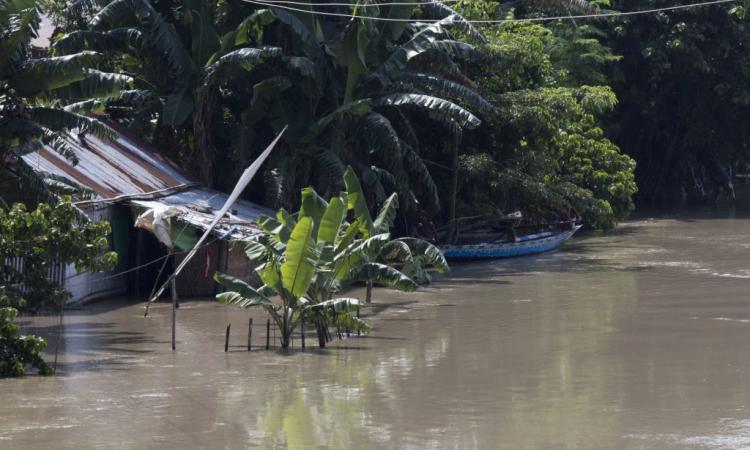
17 352
683 89
307 257
40 99
543 149
530 116
402 103
41 238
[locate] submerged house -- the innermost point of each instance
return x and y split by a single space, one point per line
126 178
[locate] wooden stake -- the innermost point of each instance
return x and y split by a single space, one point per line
249 333
302 331
174 310
268 334
226 338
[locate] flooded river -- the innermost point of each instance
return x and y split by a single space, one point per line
636 339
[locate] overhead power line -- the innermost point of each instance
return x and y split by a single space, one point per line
365 5
268 3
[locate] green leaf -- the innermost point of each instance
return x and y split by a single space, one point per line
95 85
348 260
313 206
330 223
204 39
241 293
438 108
383 275
250 30
430 253
61 120
336 305
274 227
178 107
387 215
299 258
39 75
357 202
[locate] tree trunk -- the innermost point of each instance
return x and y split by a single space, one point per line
286 336
206 102
452 230
368 296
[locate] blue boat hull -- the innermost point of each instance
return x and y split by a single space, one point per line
506 250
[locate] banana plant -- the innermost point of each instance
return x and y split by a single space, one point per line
288 275
192 63
378 256
358 251
43 98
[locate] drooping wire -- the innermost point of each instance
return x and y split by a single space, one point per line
495 21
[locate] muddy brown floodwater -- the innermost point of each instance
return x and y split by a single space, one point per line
636 339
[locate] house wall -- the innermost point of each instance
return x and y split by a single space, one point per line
196 279
87 286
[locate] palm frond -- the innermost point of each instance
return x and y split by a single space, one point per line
119 39
95 85
60 120
437 10
441 87
438 108
20 28
377 133
39 75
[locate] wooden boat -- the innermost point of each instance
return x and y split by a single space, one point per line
524 245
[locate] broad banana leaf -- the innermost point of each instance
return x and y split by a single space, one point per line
431 254
387 215
438 108
357 202
242 294
384 275
300 258
330 223
313 206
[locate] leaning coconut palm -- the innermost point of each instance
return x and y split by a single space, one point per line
42 98
289 275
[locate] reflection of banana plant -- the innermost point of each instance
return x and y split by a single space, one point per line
289 275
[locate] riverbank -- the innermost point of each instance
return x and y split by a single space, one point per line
629 340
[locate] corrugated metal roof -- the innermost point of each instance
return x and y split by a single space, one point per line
127 170
112 168
200 205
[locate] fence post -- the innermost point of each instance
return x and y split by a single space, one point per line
268 334
226 339
302 330
249 333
